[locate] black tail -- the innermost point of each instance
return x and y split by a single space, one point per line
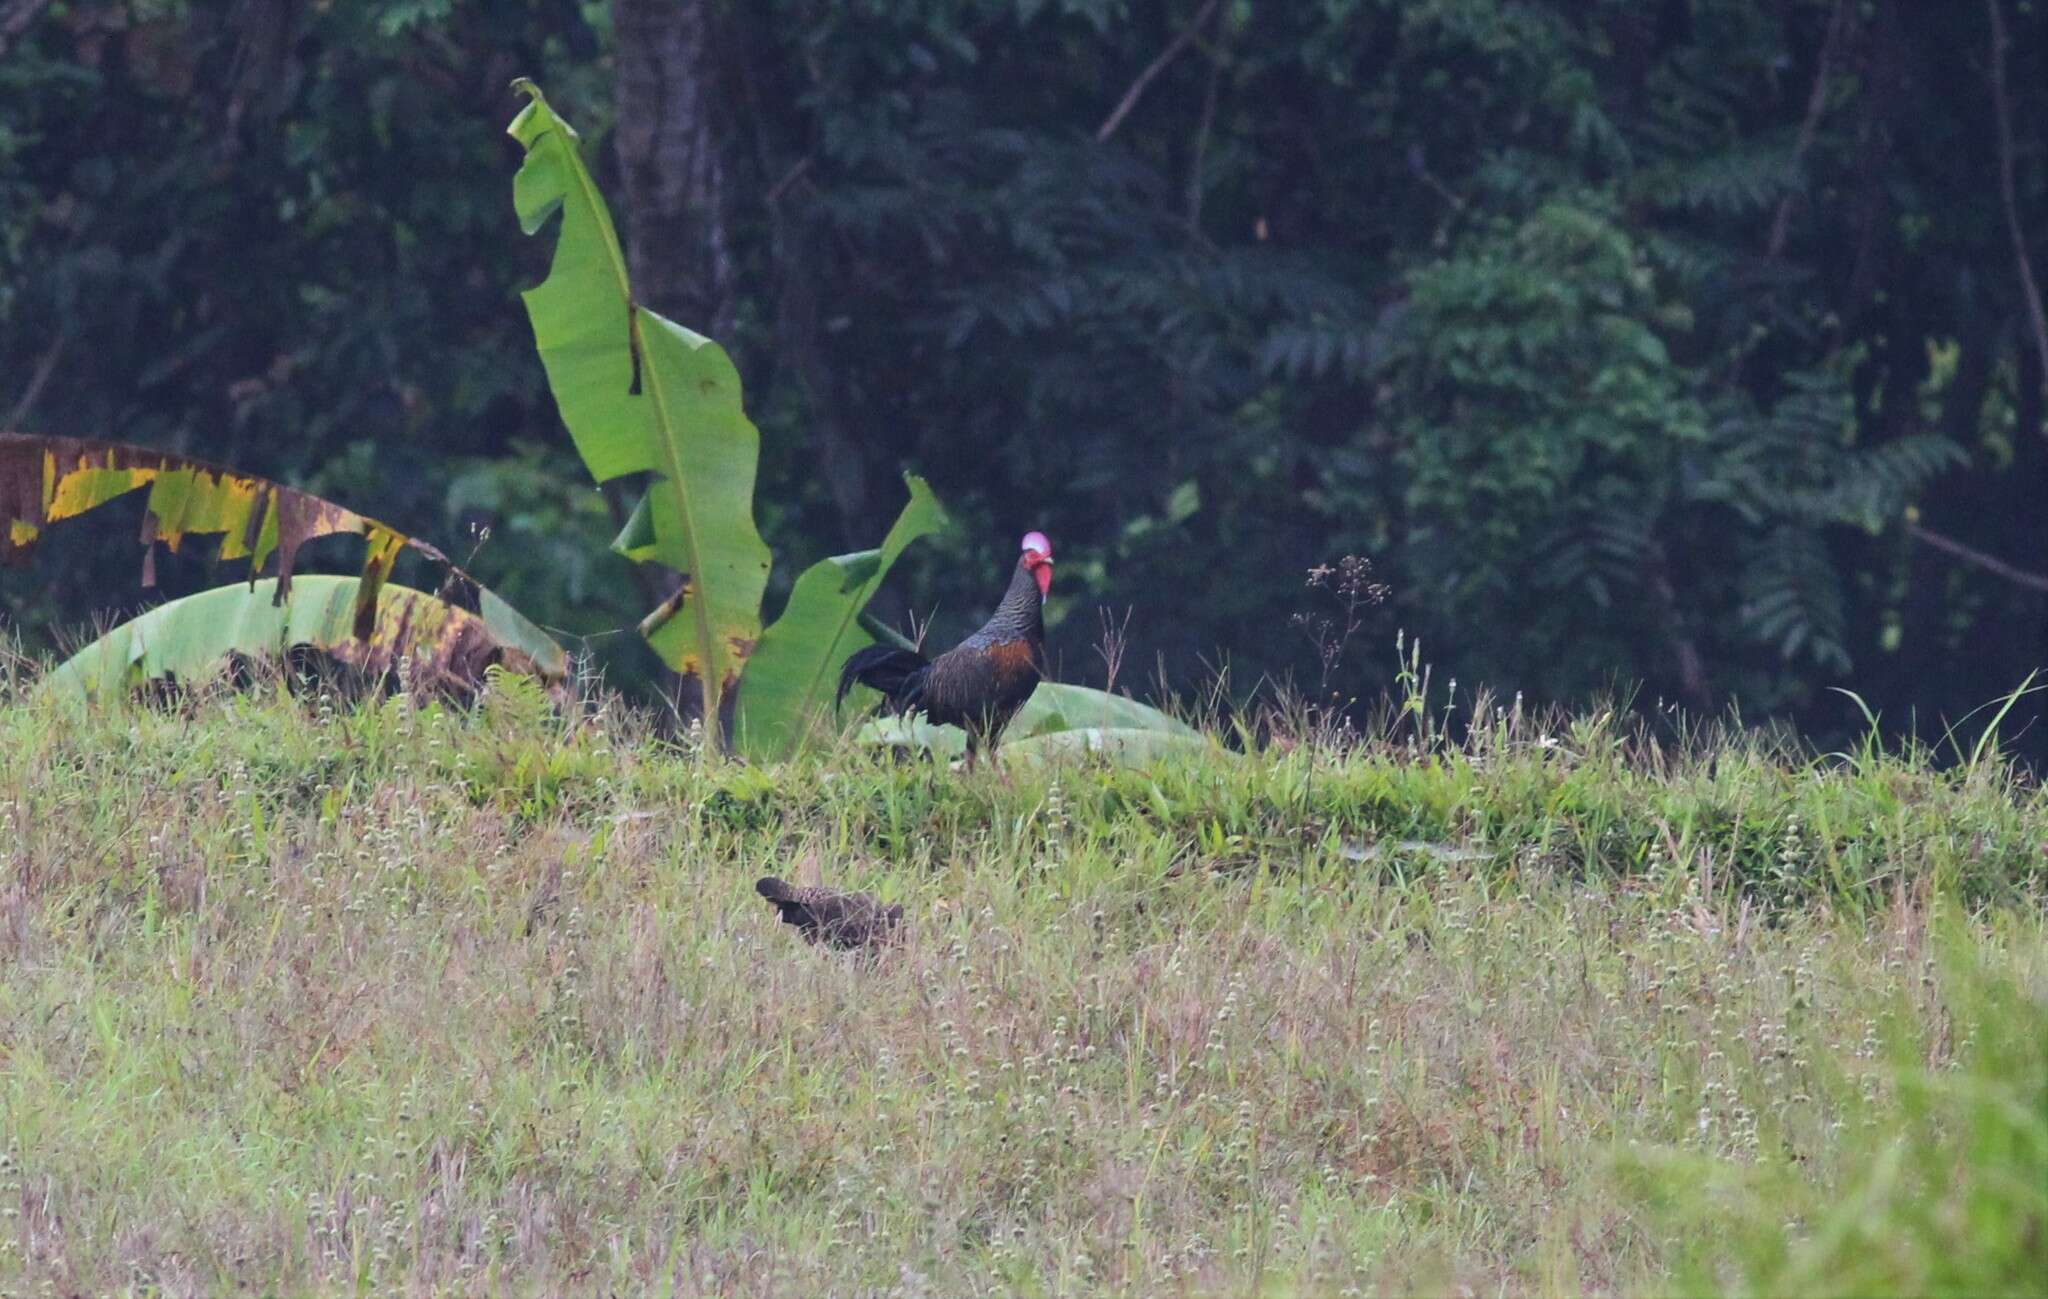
898 673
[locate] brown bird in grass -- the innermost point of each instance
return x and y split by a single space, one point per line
848 921
979 684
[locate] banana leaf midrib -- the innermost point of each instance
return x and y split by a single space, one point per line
700 608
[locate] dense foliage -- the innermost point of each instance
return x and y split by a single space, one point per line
1684 343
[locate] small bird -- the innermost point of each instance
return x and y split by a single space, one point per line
979 684
848 921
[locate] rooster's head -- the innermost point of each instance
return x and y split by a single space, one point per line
1037 560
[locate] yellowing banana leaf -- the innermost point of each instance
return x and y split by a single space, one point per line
44 480
793 676
192 639
640 393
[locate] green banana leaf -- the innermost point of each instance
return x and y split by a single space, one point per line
1057 707
883 634
641 394
1057 721
793 676
636 540
1127 746
192 639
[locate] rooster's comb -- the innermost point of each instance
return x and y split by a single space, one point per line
1037 541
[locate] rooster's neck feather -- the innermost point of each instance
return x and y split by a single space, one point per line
1021 615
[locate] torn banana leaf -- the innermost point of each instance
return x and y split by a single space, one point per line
191 640
45 480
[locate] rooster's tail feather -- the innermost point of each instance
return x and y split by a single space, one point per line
898 673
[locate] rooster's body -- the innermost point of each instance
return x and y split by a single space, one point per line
979 684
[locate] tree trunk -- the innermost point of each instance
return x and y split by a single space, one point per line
672 120
1687 663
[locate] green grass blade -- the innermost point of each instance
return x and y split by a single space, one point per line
1988 741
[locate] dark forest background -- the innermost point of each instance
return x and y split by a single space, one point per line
1692 348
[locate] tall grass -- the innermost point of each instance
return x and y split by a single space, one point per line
301 995
1939 1178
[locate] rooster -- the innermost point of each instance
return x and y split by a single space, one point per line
979 684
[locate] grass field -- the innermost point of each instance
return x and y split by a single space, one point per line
306 997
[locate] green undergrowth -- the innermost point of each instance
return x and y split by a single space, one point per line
300 995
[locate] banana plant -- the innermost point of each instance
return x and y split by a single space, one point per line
642 395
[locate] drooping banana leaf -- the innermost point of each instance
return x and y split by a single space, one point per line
792 677
1057 720
1058 707
1124 746
45 480
641 394
192 639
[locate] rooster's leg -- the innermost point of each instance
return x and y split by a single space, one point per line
994 760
